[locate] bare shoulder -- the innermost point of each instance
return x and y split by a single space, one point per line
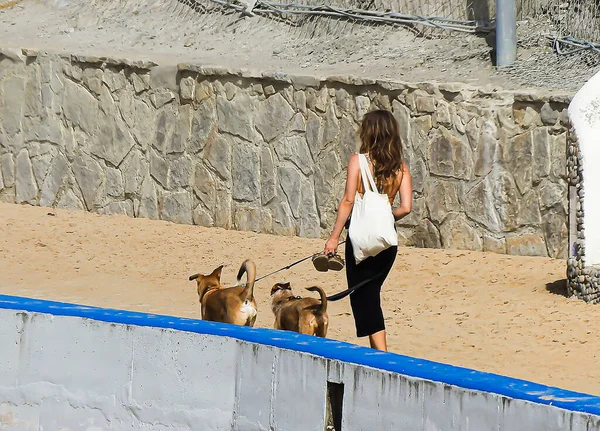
353 161
405 168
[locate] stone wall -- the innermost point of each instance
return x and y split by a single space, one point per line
243 150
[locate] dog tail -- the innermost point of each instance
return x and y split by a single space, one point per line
323 307
249 268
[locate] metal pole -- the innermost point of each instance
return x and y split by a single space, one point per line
506 32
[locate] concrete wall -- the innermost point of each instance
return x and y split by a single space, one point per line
242 150
69 367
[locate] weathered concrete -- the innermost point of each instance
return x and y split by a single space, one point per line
267 153
81 368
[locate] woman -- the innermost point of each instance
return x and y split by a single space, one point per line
382 145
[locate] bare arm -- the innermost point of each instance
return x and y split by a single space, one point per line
405 192
346 204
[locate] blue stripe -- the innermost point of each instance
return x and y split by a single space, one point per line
331 349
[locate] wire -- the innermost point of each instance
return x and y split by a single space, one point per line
390 18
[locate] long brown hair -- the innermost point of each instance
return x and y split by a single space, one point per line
380 138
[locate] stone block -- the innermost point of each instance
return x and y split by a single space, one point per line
26 189
245 172
494 244
558 150
426 235
540 154
8 170
176 207
70 201
80 107
402 115
204 126
331 128
419 134
180 172
314 133
487 152
268 184
160 97
204 185
551 194
180 133
526 244
89 176
159 169
478 204
457 233
309 224
247 219
317 100
202 216
450 156
222 214
134 169
425 104
513 209
218 156
118 208
442 114
326 171
13 96
548 114
556 233
92 79
237 116
290 181
526 115
300 101
187 88
517 156
54 179
203 92
113 183
273 116
442 198
349 141
148 206
363 105
417 215
298 123
295 149
114 79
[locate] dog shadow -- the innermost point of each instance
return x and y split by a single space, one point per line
558 287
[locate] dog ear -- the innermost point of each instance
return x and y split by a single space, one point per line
217 273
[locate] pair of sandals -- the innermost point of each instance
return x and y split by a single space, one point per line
324 263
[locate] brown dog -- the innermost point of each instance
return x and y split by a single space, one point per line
235 304
304 315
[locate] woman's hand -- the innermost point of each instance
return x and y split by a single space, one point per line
331 246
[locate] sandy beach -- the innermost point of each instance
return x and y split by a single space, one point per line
490 312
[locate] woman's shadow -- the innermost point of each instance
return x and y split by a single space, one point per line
558 287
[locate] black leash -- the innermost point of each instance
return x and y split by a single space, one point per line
334 297
290 265
344 293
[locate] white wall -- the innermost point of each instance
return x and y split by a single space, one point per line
82 368
584 112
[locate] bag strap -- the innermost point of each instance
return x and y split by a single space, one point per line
365 173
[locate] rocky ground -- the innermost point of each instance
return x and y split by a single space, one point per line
169 31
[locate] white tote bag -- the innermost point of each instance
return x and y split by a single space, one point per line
372 223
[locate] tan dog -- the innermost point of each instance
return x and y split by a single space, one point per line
304 315
235 304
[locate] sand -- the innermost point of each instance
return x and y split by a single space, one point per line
168 32
495 313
